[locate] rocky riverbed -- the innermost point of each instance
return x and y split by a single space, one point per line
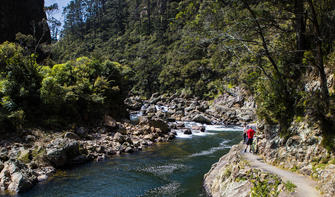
34 155
23 163
231 108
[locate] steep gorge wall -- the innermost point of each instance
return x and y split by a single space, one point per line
25 16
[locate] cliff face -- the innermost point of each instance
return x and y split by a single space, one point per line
25 16
301 153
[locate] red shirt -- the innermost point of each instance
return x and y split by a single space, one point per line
250 133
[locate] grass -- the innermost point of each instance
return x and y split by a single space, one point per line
332 161
294 168
289 186
265 188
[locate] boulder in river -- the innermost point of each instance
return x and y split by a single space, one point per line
187 131
199 128
201 119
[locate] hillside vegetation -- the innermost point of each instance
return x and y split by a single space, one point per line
273 49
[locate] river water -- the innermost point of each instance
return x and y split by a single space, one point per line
168 169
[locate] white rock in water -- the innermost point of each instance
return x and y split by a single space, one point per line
42 177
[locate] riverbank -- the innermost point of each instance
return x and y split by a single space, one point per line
37 156
173 168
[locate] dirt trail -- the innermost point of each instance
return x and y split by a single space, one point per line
305 186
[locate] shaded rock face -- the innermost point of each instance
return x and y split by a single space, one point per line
25 16
61 151
16 177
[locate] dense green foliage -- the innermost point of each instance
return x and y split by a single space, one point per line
77 91
203 48
281 52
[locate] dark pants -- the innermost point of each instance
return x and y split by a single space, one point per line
249 142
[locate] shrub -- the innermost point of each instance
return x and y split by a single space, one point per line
83 88
19 85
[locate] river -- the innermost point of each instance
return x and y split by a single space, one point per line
167 169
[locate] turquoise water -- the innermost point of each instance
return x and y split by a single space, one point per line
170 169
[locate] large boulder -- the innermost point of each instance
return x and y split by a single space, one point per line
20 182
60 152
246 115
159 123
201 119
187 131
199 128
16 177
110 123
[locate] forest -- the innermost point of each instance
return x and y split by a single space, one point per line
109 49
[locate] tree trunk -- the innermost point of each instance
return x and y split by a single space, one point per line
319 56
300 27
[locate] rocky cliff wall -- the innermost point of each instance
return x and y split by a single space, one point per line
301 153
25 16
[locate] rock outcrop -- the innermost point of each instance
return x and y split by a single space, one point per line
24 16
232 176
302 153
234 107
16 177
61 152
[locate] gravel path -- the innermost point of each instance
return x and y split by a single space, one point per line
305 185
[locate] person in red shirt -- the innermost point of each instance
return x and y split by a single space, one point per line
250 134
